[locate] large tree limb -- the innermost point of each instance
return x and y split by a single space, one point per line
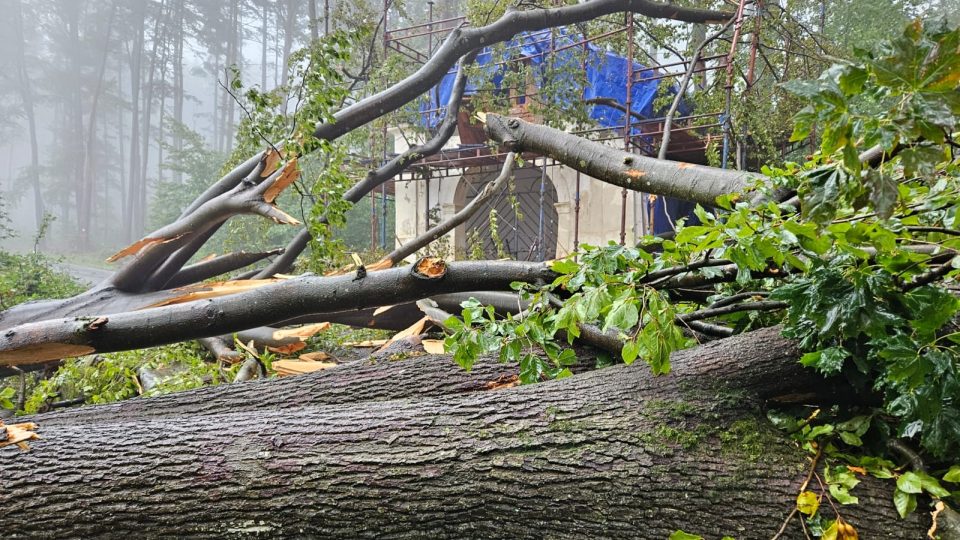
58 338
134 273
696 183
463 40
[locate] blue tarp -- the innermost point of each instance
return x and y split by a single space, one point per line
606 76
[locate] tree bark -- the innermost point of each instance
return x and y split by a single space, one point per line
359 451
51 339
687 181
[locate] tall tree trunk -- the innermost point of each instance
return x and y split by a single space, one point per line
121 141
85 210
234 59
84 196
26 95
159 31
314 31
217 142
359 452
264 35
289 23
178 86
134 180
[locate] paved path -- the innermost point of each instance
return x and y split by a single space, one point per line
84 274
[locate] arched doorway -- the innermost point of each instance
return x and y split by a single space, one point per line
525 224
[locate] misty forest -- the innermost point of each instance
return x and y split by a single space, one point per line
483 269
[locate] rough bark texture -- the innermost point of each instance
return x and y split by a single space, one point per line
612 453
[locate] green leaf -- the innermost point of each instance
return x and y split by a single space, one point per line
5 398
623 314
884 192
910 482
630 351
932 486
905 502
828 361
920 160
564 266
850 438
842 495
680 535
953 475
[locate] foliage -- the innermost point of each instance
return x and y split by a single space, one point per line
113 377
865 271
31 277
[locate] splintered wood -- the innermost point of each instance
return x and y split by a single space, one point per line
300 334
17 434
415 329
431 267
135 247
43 352
433 346
214 290
286 368
308 363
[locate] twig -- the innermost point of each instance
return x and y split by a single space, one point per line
803 487
654 277
249 116
929 277
738 297
668 119
734 308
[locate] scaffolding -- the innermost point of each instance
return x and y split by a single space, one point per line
690 135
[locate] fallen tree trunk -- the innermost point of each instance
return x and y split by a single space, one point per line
612 453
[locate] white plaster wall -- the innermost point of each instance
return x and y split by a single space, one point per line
600 206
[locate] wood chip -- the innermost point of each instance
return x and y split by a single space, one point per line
382 309
18 434
289 348
318 356
285 368
302 332
415 329
433 346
